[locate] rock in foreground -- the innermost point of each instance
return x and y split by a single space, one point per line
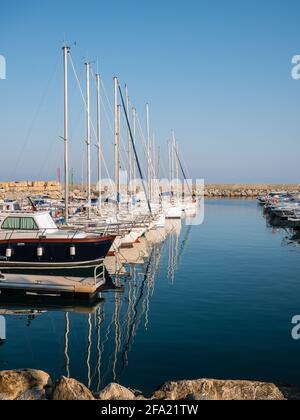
116 392
209 389
26 384
31 384
67 389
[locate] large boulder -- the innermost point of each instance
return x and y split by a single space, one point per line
116 392
209 389
24 384
67 389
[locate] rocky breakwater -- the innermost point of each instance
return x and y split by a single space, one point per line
245 190
21 189
37 385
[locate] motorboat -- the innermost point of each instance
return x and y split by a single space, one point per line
32 241
272 198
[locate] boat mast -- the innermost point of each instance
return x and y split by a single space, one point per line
153 164
169 161
158 164
66 51
134 141
159 184
135 153
176 169
116 142
171 169
149 153
119 143
128 143
98 87
88 138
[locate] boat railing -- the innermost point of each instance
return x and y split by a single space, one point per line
39 234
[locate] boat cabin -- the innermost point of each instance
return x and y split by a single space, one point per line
29 221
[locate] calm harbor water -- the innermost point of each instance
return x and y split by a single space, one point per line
213 301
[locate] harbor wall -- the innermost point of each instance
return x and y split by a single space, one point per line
19 189
54 189
246 190
215 190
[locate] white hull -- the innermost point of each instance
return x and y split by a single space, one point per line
173 212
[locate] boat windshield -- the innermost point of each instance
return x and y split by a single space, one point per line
19 223
45 221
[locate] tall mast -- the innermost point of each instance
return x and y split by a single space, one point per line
169 162
129 142
88 137
176 169
66 51
158 163
170 167
153 156
158 175
149 152
98 84
153 165
116 142
134 139
119 143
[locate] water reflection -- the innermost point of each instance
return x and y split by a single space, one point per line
97 338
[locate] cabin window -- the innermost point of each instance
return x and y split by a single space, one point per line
20 223
28 223
11 223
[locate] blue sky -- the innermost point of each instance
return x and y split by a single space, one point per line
218 72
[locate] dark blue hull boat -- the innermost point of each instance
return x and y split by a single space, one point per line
74 257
